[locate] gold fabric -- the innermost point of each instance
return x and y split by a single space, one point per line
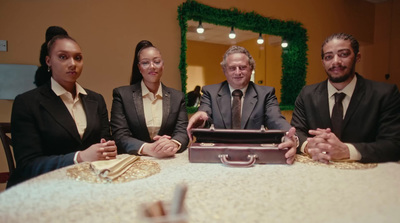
335 164
136 170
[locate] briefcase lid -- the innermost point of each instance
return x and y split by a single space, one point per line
250 136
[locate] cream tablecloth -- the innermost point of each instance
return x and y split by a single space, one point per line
216 193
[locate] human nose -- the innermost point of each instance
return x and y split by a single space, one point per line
336 59
237 70
72 62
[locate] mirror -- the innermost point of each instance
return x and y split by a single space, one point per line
205 50
294 57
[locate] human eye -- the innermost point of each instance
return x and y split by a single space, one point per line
242 67
62 56
145 63
328 57
231 68
79 58
157 62
344 54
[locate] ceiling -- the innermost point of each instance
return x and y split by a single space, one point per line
217 34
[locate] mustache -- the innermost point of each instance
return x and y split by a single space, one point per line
340 66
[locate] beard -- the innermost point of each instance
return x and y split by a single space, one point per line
343 78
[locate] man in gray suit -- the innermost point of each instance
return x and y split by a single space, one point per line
259 105
363 125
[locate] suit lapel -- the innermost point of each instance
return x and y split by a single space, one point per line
322 104
56 108
137 104
166 106
90 107
224 105
357 96
249 102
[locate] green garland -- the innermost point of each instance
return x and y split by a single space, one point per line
294 57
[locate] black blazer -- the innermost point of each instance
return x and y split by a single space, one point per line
260 107
44 134
128 122
371 124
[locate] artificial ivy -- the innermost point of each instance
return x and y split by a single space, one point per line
294 57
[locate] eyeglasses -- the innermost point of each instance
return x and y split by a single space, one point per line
146 64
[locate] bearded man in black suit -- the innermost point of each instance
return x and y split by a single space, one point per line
368 127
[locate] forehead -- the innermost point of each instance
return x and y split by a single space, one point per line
66 45
337 44
149 52
237 58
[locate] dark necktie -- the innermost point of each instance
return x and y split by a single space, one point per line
337 114
236 108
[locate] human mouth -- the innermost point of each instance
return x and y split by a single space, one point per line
72 72
337 69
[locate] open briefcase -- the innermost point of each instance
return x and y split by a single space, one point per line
237 147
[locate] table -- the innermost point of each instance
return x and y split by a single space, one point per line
216 193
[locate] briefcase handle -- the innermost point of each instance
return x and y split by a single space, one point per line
252 160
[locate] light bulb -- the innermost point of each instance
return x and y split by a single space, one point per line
232 34
260 40
200 28
284 44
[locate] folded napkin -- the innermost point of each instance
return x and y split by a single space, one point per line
111 169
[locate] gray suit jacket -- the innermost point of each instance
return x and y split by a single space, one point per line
128 122
260 107
371 124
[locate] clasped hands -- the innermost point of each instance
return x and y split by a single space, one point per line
325 146
104 150
162 146
199 118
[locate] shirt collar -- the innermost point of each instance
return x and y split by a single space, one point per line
145 90
231 89
348 90
59 90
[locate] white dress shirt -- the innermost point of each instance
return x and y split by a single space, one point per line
153 112
74 106
348 90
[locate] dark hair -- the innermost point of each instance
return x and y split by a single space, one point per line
50 45
238 49
42 75
136 75
344 36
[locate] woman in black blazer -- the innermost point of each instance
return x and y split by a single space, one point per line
148 118
59 123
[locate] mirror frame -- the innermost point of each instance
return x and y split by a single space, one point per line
294 57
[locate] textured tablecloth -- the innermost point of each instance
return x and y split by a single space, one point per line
216 193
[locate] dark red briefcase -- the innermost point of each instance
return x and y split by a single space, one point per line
237 147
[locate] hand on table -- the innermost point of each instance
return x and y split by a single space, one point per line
162 147
104 150
325 146
290 143
198 120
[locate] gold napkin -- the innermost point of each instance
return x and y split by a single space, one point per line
301 158
111 169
